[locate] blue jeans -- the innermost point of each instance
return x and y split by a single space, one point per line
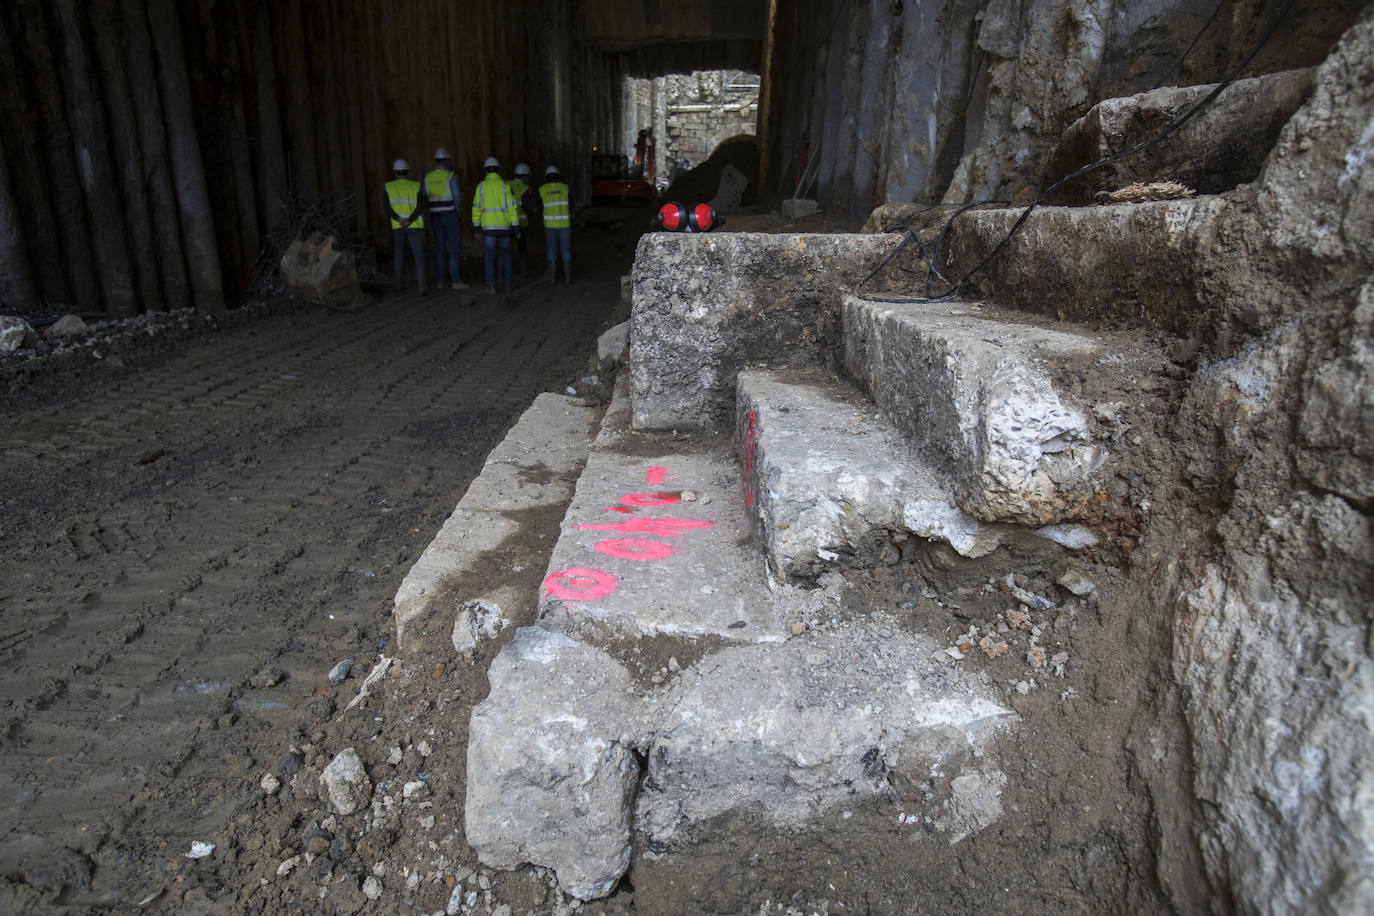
448 244
416 239
556 240
493 242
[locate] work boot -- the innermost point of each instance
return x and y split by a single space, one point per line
551 275
491 290
459 284
567 274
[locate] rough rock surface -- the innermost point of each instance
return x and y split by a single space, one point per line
828 718
706 306
973 393
345 782
833 486
551 766
15 334
1222 146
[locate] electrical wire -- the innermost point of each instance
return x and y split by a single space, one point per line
934 255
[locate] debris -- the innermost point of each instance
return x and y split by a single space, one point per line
340 672
68 326
372 887
265 678
317 270
993 648
1027 598
345 783
1035 657
1136 192
270 784
1076 582
200 850
378 672
16 334
287 865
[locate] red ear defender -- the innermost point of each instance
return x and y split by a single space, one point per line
672 217
703 218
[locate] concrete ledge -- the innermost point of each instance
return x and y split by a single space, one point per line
534 466
706 306
1134 265
976 397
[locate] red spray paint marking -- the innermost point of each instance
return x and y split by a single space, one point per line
579 584
655 476
617 509
650 499
751 438
663 527
634 549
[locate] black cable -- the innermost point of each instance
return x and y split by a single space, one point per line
1016 226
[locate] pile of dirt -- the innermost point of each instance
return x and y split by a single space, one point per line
701 183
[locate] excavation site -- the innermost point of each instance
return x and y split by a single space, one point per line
793 457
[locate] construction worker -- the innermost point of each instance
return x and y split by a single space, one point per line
524 196
442 198
553 195
404 202
495 217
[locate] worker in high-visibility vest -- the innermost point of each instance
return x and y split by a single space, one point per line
524 197
442 198
495 217
404 202
553 196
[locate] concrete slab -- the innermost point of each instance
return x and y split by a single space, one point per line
973 389
659 544
830 718
535 466
707 305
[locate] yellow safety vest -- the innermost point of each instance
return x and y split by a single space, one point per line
517 190
554 194
404 195
492 207
438 188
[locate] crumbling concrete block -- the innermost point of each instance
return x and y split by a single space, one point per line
971 393
315 270
551 768
789 731
831 485
16 334
706 305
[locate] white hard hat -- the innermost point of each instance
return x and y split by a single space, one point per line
491 163
441 153
400 166
522 169
551 170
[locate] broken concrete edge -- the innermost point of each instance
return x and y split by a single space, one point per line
532 466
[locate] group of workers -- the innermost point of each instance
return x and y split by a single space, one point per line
501 211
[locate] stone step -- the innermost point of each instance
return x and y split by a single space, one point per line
707 305
1151 265
986 398
1222 146
529 475
831 484
669 685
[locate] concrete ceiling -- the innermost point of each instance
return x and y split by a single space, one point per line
618 26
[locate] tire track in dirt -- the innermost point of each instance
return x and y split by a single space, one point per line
303 461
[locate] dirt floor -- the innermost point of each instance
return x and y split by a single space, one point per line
200 519
199 530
